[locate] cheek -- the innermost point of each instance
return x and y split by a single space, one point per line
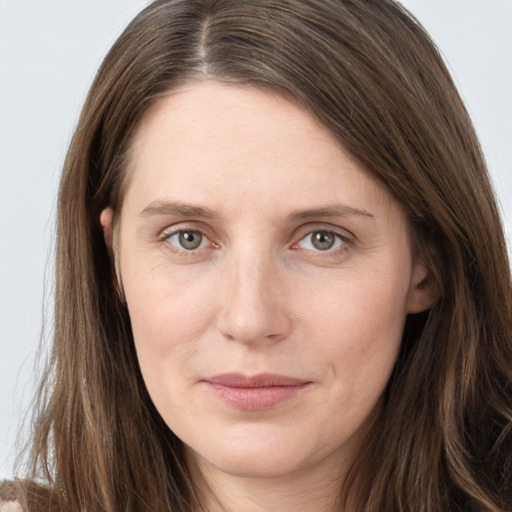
358 328
167 322
167 316
355 308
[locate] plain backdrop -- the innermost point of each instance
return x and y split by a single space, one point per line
49 53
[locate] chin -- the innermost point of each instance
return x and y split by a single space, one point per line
248 464
258 453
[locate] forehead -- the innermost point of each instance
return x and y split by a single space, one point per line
210 116
210 142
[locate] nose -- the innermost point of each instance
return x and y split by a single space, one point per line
254 306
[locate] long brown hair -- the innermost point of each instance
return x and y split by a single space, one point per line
369 72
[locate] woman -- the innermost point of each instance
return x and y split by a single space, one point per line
282 280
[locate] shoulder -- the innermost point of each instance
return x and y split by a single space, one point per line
20 495
8 497
10 506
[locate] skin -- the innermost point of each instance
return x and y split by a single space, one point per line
259 295
10 506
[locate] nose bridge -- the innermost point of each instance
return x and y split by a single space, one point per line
253 308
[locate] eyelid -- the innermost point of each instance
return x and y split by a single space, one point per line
183 226
309 228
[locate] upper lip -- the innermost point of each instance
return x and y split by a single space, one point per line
238 380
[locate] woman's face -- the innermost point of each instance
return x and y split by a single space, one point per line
267 278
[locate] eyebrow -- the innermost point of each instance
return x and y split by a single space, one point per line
177 208
337 210
188 210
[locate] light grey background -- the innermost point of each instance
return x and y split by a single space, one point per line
49 52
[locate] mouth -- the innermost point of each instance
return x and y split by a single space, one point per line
255 393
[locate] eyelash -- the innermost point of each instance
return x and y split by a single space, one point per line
341 243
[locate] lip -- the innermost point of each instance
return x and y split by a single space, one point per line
257 392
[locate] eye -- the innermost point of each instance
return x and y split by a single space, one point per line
322 240
187 239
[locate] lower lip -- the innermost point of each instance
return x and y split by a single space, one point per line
256 398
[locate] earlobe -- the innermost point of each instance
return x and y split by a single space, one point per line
424 290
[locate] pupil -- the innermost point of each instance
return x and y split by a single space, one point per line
190 239
323 240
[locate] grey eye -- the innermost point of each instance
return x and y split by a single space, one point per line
321 240
188 240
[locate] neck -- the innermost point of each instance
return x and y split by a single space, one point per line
302 491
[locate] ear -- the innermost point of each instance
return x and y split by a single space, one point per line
112 243
423 292
106 218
